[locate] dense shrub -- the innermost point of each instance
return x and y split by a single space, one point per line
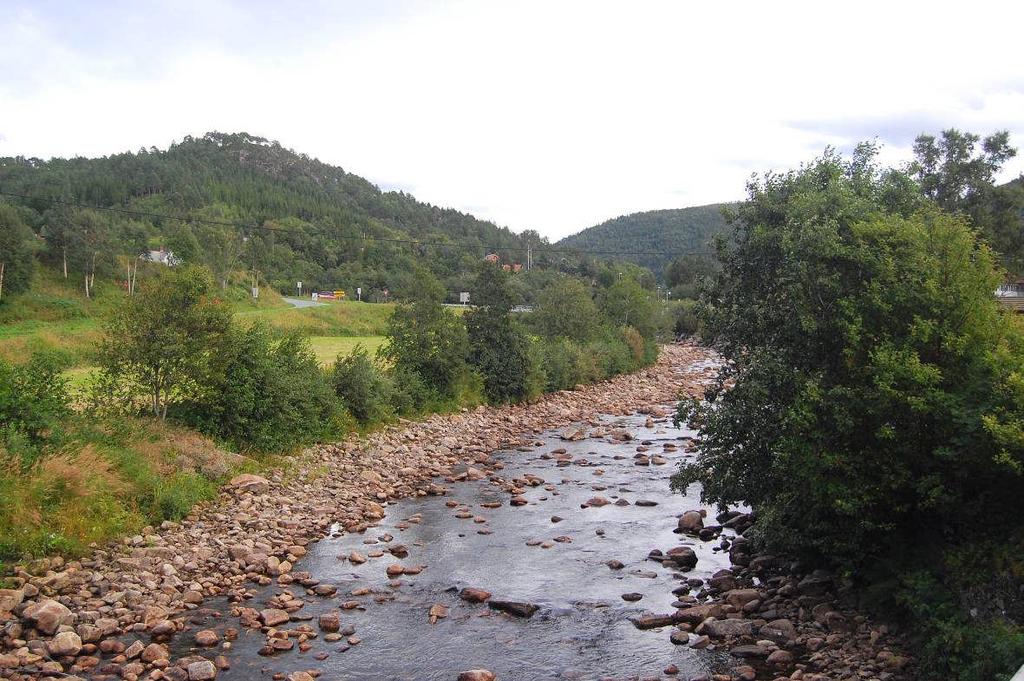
33 405
429 340
876 414
159 343
264 393
359 385
562 362
565 309
499 347
682 318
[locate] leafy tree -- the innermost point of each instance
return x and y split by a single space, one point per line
626 303
16 260
159 345
359 384
565 309
684 273
498 346
90 246
427 339
876 396
33 403
954 173
263 393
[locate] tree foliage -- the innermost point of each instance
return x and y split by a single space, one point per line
16 257
427 340
262 392
565 309
875 379
499 347
158 345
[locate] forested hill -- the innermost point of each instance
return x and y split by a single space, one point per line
660 234
314 211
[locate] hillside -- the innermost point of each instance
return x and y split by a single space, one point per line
659 234
315 216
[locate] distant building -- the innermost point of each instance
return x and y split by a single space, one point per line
1010 295
163 257
492 257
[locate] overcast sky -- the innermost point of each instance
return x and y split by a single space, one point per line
551 115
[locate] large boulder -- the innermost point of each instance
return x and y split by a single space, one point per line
780 631
691 522
247 482
63 644
10 599
517 608
683 556
202 670
725 628
47 615
273 617
477 675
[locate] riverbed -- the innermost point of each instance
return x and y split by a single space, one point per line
551 552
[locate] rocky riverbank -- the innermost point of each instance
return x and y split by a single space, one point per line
782 621
153 607
112 615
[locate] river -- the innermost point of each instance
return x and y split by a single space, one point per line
582 629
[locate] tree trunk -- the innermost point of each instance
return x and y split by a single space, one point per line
2 265
86 284
64 250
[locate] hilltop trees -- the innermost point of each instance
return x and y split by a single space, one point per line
957 171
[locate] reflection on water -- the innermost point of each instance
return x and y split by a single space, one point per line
582 629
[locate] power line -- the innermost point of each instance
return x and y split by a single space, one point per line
314 229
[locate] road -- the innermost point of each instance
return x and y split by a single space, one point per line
302 302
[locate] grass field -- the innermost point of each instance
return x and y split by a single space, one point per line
55 316
327 348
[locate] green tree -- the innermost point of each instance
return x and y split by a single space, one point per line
428 339
499 348
877 390
90 246
16 259
565 309
954 172
34 403
262 392
158 345
359 384
626 303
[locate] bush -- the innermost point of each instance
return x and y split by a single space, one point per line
34 402
562 362
429 340
499 347
875 414
565 309
158 343
682 317
361 387
264 393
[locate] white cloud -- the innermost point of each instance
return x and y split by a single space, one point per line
552 116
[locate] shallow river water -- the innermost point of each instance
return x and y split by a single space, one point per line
582 629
